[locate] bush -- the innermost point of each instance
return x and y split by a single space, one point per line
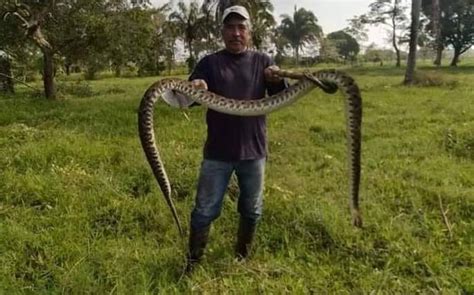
432 78
79 88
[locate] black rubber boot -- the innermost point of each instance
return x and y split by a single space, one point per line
244 238
197 243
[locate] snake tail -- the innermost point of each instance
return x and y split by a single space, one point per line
147 138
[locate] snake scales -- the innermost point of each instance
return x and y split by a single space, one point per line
326 79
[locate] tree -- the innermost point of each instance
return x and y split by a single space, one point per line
456 24
188 20
132 34
6 79
262 20
389 13
439 46
167 33
219 6
328 51
32 15
357 28
458 27
211 26
11 47
300 29
414 28
376 55
347 46
280 46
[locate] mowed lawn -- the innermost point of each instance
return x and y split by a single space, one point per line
81 213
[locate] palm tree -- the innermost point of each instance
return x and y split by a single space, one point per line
262 20
210 25
260 12
166 34
188 20
300 30
219 5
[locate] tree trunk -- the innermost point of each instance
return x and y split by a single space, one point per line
394 42
6 81
48 74
117 70
437 32
415 23
297 56
457 54
191 60
67 67
439 55
34 32
397 52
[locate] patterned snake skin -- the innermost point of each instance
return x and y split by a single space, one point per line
328 80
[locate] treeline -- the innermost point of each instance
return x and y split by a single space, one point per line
95 35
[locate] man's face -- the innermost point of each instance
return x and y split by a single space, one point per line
236 34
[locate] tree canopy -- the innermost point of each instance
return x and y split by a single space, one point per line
347 46
456 24
300 29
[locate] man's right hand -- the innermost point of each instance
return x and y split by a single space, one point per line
199 84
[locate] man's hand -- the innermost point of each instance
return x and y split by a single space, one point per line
199 84
270 74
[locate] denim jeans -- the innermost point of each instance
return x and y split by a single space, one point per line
213 181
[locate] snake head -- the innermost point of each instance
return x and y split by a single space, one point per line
329 87
326 86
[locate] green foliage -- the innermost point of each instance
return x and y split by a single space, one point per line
300 29
329 52
457 24
392 15
188 20
346 45
79 88
81 212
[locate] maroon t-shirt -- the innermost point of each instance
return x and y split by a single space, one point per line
238 76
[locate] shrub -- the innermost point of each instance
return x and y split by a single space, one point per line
79 88
432 78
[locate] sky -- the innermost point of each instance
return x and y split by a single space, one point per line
332 14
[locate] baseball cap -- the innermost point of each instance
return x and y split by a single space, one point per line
240 10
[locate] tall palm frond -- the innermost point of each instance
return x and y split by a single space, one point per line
300 29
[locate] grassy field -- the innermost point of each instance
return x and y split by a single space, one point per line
81 213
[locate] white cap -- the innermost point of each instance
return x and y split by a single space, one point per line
240 10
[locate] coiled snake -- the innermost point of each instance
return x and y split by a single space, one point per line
328 80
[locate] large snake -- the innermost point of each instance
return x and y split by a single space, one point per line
328 80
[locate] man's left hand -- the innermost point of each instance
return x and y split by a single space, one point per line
270 74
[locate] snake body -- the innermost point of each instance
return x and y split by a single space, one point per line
307 82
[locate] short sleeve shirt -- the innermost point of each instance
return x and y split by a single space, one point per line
237 76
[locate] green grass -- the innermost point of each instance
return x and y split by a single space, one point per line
81 213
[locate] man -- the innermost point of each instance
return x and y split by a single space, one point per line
234 143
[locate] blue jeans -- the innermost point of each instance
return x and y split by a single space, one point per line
213 181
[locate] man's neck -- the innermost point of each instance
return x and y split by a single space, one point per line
235 53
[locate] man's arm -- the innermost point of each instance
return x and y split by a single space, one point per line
274 83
